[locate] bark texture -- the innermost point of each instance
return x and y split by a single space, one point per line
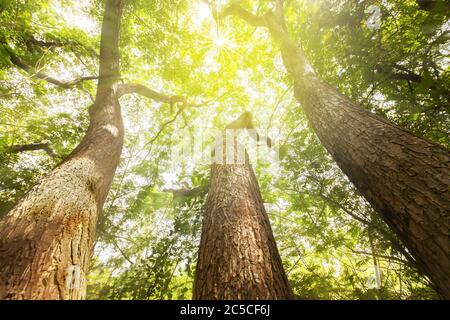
404 177
238 256
46 240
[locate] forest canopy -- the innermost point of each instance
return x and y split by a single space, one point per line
179 72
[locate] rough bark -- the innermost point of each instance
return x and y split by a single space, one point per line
47 238
238 256
404 177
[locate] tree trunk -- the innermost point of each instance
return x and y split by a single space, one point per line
47 238
405 178
238 256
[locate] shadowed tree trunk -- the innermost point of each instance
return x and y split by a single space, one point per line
434 5
238 256
404 177
46 240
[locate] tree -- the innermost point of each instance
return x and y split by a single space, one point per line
404 177
47 238
406 83
149 230
238 257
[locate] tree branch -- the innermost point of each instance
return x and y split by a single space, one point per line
33 72
165 125
30 41
268 20
402 74
405 262
31 147
147 92
426 4
406 76
236 10
185 193
275 26
245 121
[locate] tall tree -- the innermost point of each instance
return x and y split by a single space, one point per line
46 240
404 177
238 257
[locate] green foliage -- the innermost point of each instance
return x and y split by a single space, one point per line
398 70
147 241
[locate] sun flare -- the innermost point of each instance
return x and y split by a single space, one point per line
219 42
